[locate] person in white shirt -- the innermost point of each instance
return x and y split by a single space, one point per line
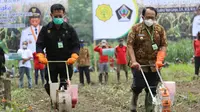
30 34
25 64
196 23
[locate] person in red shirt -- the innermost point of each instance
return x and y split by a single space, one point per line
38 67
103 60
120 54
196 45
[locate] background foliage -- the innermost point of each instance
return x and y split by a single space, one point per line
80 16
177 25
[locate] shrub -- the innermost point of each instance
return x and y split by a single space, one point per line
181 49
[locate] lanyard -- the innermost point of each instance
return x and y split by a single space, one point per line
151 35
35 38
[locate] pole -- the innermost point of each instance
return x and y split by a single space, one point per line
95 60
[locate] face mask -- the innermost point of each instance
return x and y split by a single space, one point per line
58 21
149 22
24 46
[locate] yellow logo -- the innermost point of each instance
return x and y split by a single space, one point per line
104 12
33 10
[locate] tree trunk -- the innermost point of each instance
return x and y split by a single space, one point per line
1 88
7 89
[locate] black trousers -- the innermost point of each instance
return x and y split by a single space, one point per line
55 69
83 70
197 65
139 82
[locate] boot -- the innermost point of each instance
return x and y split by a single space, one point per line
106 78
118 77
100 78
134 102
149 107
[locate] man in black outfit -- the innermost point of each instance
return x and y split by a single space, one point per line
61 43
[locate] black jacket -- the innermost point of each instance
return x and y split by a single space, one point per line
49 37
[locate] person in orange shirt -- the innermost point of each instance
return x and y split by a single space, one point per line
103 60
196 45
38 67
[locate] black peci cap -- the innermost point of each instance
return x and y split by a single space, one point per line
35 11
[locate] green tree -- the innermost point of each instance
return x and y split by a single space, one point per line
80 16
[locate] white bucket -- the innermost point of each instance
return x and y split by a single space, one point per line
53 88
171 86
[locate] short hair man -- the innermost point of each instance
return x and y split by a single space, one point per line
146 46
120 54
61 42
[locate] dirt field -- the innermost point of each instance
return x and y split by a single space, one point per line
112 97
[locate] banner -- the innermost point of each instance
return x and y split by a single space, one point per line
113 18
15 18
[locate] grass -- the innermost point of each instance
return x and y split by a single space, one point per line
113 97
178 72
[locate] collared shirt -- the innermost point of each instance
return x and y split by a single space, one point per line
52 38
120 54
141 42
30 34
84 57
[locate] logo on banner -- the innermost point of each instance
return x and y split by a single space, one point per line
104 12
124 13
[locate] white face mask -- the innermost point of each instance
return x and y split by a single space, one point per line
149 22
24 46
